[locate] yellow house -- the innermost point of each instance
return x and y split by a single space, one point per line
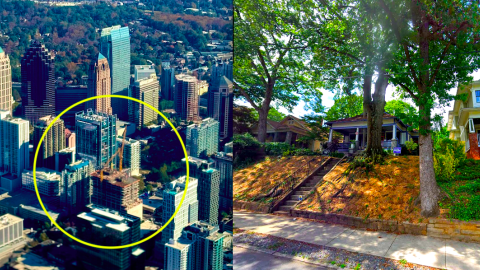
464 119
288 130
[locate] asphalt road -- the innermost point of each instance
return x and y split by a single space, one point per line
247 259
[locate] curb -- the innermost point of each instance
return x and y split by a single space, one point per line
278 254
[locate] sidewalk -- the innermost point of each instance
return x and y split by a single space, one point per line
421 250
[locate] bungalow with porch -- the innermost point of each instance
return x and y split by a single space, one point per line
464 119
354 131
288 130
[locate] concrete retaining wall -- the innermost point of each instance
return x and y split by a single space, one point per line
251 206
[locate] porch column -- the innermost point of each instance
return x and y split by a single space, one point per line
394 137
330 135
363 137
275 137
357 143
288 139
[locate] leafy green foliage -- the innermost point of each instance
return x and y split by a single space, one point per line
273 114
411 145
246 149
448 155
344 107
277 148
243 119
404 111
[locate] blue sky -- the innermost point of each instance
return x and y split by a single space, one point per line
327 102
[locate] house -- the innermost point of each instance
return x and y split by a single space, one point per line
464 119
354 129
288 130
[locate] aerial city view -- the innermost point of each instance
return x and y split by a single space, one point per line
111 171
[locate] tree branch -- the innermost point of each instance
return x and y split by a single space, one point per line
246 96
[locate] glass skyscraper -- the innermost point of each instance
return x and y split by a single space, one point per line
115 45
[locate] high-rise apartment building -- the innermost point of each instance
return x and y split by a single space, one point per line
224 164
63 158
199 248
103 226
117 191
48 181
96 136
187 214
208 188
146 90
220 105
76 189
131 154
143 71
53 141
186 97
6 98
115 46
14 138
202 138
38 81
167 79
99 83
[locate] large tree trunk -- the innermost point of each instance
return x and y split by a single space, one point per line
374 107
262 125
429 190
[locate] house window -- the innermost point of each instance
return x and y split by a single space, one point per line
290 122
477 96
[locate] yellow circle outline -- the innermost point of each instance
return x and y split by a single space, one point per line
73 237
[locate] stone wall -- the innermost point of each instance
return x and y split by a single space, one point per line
251 206
454 229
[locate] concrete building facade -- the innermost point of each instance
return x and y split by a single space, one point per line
14 145
167 79
186 97
76 189
99 83
202 138
53 141
146 90
6 99
131 155
48 181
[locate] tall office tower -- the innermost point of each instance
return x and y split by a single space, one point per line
208 188
186 97
224 163
14 152
38 81
96 136
220 105
76 189
187 214
53 141
167 79
6 98
143 71
63 158
199 248
104 226
202 138
67 96
99 83
117 191
115 45
48 181
221 68
146 90
131 155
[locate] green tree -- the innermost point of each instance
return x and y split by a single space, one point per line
436 43
345 106
243 119
404 111
271 58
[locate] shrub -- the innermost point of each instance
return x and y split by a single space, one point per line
337 155
277 148
466 211
449 154
411 146
246 149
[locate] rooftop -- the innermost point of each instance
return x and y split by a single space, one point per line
115 177
8 219
105 219
43 174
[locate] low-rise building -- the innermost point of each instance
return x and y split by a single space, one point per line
48 181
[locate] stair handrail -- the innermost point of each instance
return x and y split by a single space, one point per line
290 182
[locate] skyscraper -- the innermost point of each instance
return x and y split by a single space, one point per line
187 214
167 79
117 191
208 188
131 155
143 71
220 105
53 141
186 97
103 226
96 136
76 189
5 82
38 81
145 89
14 152
224 164
115 46
199 248
202 138
221 68
99 83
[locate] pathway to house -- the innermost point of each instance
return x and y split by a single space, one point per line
421 250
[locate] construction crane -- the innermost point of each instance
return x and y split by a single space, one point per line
119 152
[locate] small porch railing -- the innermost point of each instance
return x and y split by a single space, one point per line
387 144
